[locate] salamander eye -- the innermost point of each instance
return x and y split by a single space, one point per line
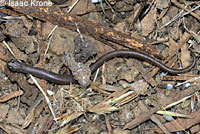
13 61
10 67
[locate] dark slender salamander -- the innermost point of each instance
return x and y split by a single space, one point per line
17 66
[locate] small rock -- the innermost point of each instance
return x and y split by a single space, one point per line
173 11
104 133
161 4
18 54
80 71
174 33
148 22
165 20
195 129
15 29
62 41
3 111
128 74
121 131
84 50
14 117
140 87
33 58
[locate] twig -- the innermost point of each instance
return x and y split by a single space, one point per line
57 17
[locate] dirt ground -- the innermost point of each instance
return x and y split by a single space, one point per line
125 95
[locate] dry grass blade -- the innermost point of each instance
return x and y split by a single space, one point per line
108 105
70 130
172 114
70 117
12 129
9 48
192 104
102 89
129 96
46 98
177 102
190 80
28 119
185 104
102 108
